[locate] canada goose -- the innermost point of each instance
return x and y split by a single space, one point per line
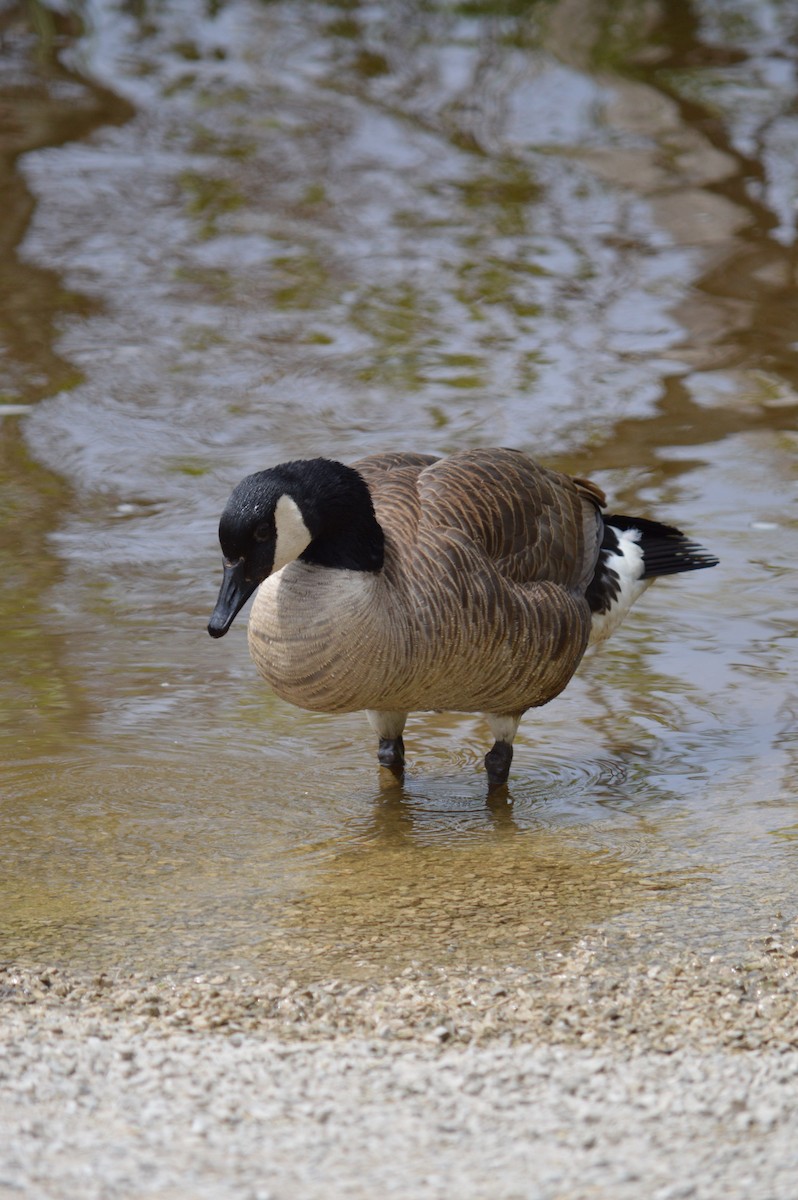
405 582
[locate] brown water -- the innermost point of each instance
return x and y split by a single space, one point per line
258 232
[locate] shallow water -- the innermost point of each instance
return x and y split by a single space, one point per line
303 229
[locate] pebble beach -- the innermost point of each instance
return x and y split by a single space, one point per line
576 1080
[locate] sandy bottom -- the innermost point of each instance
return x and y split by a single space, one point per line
578 1080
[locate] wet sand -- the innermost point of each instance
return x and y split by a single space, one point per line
577 1079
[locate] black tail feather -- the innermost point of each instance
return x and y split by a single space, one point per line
666 550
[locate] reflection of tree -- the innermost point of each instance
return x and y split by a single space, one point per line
35 115
39 698
708 172
733 76
691 96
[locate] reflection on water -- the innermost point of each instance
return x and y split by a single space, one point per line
117 856
44 104
40 701
466 903
321 229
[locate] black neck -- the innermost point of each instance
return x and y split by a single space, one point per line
348 550
349 535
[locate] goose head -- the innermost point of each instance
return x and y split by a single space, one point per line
314 509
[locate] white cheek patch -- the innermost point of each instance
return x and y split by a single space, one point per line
293 535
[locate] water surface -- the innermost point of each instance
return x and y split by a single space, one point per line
304 229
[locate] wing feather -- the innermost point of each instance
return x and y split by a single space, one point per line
532 523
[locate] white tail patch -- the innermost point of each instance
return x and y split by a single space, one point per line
293 535
627 564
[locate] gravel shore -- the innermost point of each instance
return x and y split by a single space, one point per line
578 1080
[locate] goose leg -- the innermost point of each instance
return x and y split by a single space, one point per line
497 761
388 726
391 753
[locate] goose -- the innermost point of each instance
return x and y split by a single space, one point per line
407 582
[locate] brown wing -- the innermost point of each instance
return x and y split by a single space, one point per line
532 523
393 483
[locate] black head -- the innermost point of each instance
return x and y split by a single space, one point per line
314 509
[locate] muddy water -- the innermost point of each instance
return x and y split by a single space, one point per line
282 230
